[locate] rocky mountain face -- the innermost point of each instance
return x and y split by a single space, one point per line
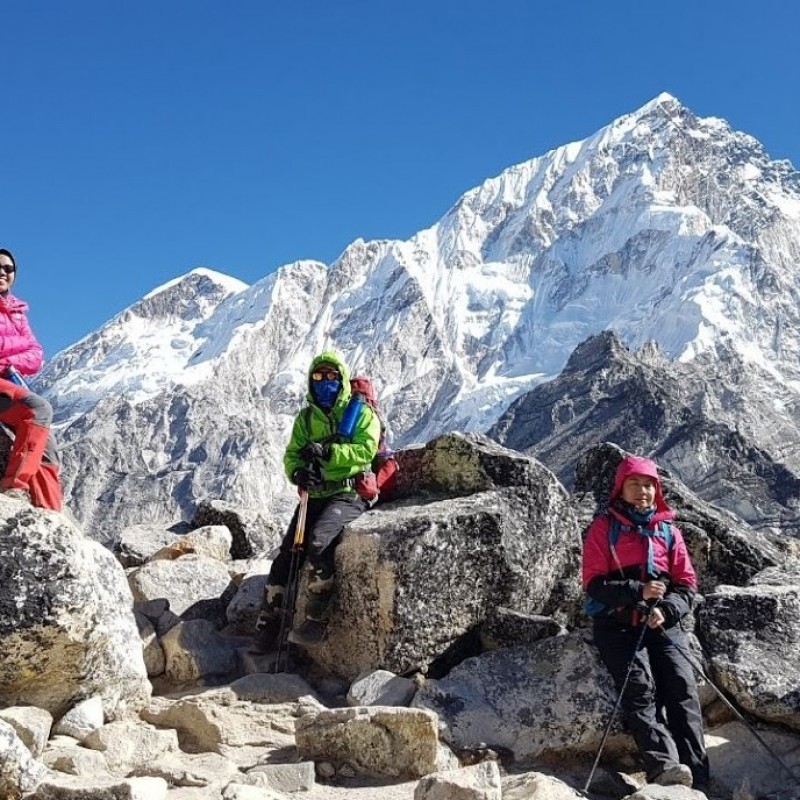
661 226
708 420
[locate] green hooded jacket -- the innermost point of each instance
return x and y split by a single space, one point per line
314 424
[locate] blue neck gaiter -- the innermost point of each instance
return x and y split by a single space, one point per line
637 516
325 393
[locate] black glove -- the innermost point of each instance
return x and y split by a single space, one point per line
307 478
314 451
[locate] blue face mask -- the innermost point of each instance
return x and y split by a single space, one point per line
326 392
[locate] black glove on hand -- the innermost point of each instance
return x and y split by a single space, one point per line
307 478
314 450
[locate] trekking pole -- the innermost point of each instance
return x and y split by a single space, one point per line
287 608
639 641
699 670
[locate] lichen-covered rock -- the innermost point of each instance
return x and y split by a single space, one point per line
752 637
553 695
377 741
67 630
417 580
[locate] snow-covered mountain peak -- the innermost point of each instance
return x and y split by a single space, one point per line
194 278
660 226
143 351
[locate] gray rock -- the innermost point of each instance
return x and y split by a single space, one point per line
477 782
31 724
79 788
65 610
285 778
19 771
210 541
81 719
381 688
253 532
553 695
192 585
136 544
752 637
417 580
507 628
194 650
376 741
152 650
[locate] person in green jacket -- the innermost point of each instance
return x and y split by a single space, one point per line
326 466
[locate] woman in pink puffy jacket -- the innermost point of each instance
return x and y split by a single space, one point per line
641 585
33 465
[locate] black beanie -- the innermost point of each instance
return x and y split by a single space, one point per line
8 253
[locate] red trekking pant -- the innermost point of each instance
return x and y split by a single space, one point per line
33 463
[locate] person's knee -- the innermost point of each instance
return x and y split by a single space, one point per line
639 694
41 410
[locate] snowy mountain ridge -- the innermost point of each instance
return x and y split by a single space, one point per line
661 226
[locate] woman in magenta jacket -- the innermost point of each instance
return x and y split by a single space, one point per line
33 464
637 571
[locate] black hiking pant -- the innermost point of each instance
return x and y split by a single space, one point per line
661 706
325 521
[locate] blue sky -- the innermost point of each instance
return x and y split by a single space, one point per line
142 139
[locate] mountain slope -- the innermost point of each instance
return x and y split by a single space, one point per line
707 421
661 226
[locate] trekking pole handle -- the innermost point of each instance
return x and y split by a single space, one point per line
300 528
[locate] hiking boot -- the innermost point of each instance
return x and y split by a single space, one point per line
676 775
268 629
310 633
268 624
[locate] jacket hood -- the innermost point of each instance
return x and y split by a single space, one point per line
637 465
329 357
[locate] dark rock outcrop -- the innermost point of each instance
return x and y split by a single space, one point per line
708 421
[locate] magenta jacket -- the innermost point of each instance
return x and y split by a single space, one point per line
18 345
615 576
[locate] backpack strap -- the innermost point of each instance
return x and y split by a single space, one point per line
663 531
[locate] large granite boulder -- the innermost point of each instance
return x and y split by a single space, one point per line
752 636
553 695
67 630
480 528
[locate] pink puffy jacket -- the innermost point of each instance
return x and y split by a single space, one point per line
18 345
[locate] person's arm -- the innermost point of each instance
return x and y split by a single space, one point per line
678 600
299 438
347 459
21 349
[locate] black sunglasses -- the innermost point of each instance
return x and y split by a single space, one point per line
9 269
325 375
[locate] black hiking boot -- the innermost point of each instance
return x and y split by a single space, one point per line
268 629
268 625
310 633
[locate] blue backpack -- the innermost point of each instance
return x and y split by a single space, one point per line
594 608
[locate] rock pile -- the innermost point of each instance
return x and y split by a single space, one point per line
458 663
